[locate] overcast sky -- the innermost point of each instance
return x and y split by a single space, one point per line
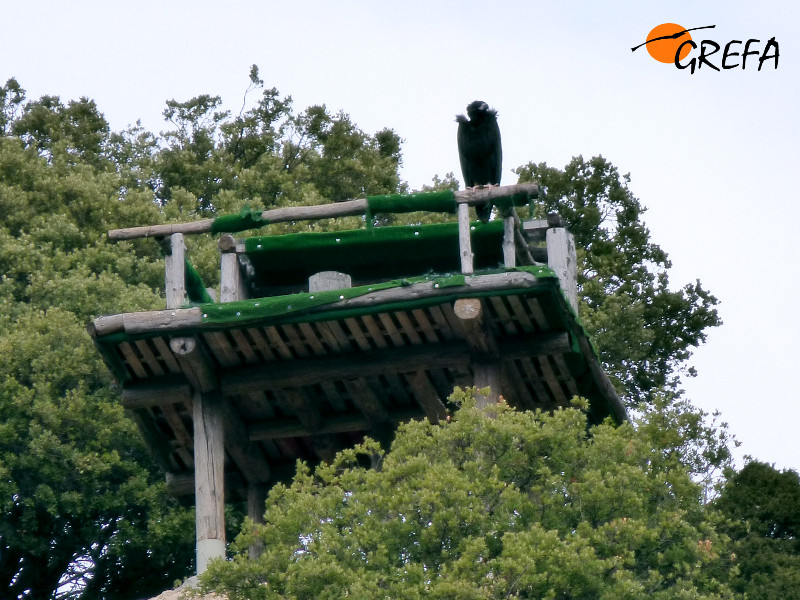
713 155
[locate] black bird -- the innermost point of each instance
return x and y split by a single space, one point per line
479 150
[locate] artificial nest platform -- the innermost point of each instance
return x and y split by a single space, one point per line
321 339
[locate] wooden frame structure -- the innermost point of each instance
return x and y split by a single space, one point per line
229 395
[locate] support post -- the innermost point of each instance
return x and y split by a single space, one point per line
329 280
231 280
509 248
175 271
562 258
209 476
256 500
464 242
484 352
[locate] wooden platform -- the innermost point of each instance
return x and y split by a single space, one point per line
295 363
304 386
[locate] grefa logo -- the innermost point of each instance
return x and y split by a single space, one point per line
672 43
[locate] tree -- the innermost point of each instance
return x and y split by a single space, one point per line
643 329
494 503
83 510
762 508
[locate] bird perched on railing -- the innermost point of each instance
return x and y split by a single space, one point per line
479 150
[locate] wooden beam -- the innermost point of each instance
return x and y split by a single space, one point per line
195 363
209 478
478 337
487 374
165 390
181 483
320 211
275 429
175 271
191 318
342 367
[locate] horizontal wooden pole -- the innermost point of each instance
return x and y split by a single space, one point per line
274 429
381 362
319 211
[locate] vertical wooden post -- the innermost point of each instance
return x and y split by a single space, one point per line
231 280
483 349
464 242
209 475
329 280
509 249
256 499
175 271
562 258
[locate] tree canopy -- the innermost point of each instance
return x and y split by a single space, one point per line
495 503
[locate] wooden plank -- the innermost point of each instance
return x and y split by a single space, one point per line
506 323
132 359
162 392
427 396
407 327
244 346
538 314
425 326
440 323
260 343
311 339
391 329
543 395
565 375
276 342
148 357
296 341
552 381
357 334
222 349
285 429
374 331
165 354
369 404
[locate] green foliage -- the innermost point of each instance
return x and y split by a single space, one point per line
643 329
493 504
762 506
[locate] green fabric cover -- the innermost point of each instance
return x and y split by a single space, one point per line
292 307
444 201
195 289
378 253
246 219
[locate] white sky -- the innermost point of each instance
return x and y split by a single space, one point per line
712 155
